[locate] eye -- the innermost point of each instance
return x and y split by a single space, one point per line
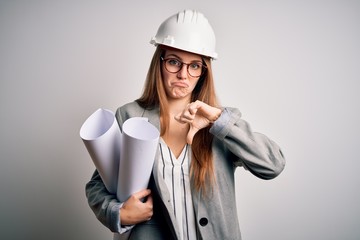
195 65
174 62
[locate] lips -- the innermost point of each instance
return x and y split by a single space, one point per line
180 84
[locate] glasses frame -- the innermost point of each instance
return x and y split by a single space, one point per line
203 66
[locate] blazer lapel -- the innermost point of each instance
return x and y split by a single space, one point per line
153 116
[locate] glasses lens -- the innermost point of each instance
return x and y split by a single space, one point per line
173 65
195 69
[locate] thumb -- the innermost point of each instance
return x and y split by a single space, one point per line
192 131
141 194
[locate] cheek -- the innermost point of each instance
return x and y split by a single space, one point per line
194 83
166 81
165 77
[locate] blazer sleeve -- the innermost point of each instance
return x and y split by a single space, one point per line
256 152
105 205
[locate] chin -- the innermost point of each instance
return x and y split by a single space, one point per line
179 96
180 93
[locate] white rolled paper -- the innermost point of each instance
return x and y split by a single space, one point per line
124 160
139 144
101 136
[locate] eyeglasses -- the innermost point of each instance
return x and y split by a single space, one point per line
173 65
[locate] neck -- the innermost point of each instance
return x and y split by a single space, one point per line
177 105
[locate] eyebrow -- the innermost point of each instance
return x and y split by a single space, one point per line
176 56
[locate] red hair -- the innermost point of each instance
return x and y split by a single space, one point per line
154 95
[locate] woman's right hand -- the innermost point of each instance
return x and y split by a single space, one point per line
134 210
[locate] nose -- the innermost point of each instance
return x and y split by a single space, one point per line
183 73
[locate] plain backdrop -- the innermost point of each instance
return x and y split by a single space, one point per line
291 67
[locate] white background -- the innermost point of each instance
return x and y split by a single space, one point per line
291 67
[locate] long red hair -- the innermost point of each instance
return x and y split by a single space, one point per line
154 95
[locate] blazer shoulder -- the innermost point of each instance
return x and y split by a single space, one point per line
131 109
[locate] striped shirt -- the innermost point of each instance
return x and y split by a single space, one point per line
175 173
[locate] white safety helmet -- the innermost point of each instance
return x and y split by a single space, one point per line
188 30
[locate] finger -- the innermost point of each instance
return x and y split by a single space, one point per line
191 134
184 119
194 106
192 110
187 115
179 119
149 205
141 194
149 200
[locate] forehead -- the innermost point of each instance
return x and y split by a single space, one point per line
185 56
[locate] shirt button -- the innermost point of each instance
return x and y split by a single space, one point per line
203 222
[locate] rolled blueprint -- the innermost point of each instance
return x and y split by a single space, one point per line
101 136
124 160
139 144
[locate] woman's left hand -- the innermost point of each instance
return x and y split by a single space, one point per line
199 115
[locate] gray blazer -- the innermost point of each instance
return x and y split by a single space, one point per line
234 145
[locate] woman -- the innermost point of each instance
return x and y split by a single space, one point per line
191 192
